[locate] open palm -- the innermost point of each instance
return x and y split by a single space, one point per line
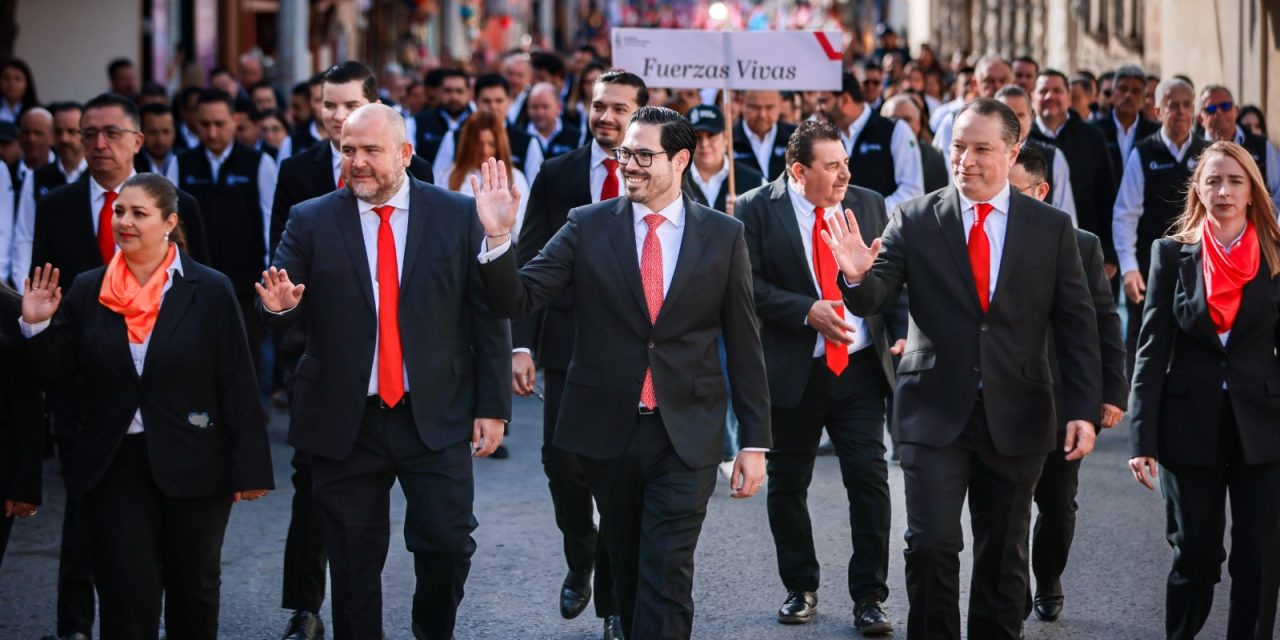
853 256
496 199
42 296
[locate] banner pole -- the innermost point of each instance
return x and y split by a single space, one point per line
732 195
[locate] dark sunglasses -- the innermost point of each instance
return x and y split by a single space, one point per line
1225 107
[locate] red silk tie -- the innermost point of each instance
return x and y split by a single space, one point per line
106 240
824 268
390 360
980 254
610 187
651 277
341 183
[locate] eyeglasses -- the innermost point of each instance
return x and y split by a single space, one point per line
113 134
1225 107
643 158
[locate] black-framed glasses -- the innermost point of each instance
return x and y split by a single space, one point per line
643 157
1224 107
113 134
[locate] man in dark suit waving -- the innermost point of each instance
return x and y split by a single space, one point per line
657 280
404 367
990 273
826 368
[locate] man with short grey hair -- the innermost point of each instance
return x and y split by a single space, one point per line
1124 126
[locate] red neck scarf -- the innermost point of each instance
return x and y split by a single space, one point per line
1225 275
138 303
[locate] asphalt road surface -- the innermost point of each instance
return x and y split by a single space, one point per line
1114 582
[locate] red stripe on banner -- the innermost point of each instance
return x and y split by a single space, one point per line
832 52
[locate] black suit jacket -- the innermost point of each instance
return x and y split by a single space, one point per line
21 410
67 238
615 342
1115 385
457 354
783 286
953 347
206 431
563 183
309 174
742 151
746 178
1181 364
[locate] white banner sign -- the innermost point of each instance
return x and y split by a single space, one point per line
684 59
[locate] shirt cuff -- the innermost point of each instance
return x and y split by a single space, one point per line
754 449
523 350
495 253
1127 264
280 312
851 285
32 330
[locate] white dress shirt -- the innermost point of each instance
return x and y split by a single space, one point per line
533 159
762 146
710 187
1050 133
1126 138
446 150
169 160
599 171
189 136
805 218
337 164
545 140
936 117
995 224
267 174
24 226
1060 178
517 104
137 351
1129 204
7 240
369 223
9 111
908 172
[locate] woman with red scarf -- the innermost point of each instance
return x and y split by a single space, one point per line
152 348
1206 395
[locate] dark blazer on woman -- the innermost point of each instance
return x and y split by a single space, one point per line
205 428
1181 365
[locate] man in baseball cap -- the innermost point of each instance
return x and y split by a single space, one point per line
708 182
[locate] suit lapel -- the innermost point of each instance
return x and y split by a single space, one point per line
417 229
785 217
1196 311
1255 291
581 189
176 300
693 243
951 221
622 235
323 158
89 239
349 227
1015 230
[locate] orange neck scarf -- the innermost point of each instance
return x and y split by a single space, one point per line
138 303
1225 275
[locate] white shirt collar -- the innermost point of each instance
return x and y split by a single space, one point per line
798 201
74 174
314 130
598 154
1044 127
96 190
176 265
674 213
400 200
1000 202
1226 248
768 135
717 176
858 123
1178 151
221 157
533 129
1120 127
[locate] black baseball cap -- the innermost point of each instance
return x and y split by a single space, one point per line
8 131
706 117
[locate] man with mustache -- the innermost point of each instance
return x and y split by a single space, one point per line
584 176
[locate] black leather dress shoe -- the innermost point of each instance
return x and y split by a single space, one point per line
869 617
799 607
575 593
612 628
1048 607
304 625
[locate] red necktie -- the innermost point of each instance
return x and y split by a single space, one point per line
610 188
390 360
980 254
341 183
106 240
824 267
651 277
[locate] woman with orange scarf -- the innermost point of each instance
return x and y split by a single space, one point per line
1206 395
153 349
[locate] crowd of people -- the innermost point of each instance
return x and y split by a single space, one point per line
937 246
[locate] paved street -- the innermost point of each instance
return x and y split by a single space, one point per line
1114 583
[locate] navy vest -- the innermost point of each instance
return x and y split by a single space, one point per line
232 213
1257 147
871 158
1164 195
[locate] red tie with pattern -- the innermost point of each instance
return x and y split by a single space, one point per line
651 277
106 240
980 254
824 267
390 360
610 187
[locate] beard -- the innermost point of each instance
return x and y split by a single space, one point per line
380 192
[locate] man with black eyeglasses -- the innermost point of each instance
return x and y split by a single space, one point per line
1217 120
73 233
